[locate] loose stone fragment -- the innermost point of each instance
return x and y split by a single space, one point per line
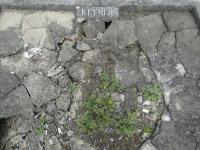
66 53
91 56
82 46
79 71
147 146
166 116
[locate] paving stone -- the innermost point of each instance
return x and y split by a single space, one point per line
10 42
91 56
172 136
188 43
7 21
23 64
17 64
145 68
37 37
149 30
126 70
177 20
63 101
82 46
167 45
66 53
8 82
46 60
41 89
92 27
57 31
17 102
120 34
79 71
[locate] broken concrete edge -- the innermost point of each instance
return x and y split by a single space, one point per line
70 5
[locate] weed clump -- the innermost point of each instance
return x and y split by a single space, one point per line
152 92
100 110
42 126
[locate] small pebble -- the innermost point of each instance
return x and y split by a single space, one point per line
120 137
146 103
99 36
121 97
98 70
166 116
139 99
145 111
59 130
70 133
82 46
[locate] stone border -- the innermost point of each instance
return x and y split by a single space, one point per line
70 5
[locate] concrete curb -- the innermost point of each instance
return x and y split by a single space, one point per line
70 5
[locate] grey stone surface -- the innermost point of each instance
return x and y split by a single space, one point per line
63 101
82 46
145 68
10 43
78 144
120 34
147 146
177 20
149 31
66 53
8 82
92 27
126 70
41 89
188 43
17 102
53 144
172 137
79 71
91 56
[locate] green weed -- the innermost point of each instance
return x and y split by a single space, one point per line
125 123
99 110
109 83
41 129
72 87
152 92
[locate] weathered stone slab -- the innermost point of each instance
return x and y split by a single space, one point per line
7 82
97 12
16 103
41 89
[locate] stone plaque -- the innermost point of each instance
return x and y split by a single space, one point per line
97 12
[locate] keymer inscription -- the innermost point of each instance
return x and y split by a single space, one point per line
97 12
